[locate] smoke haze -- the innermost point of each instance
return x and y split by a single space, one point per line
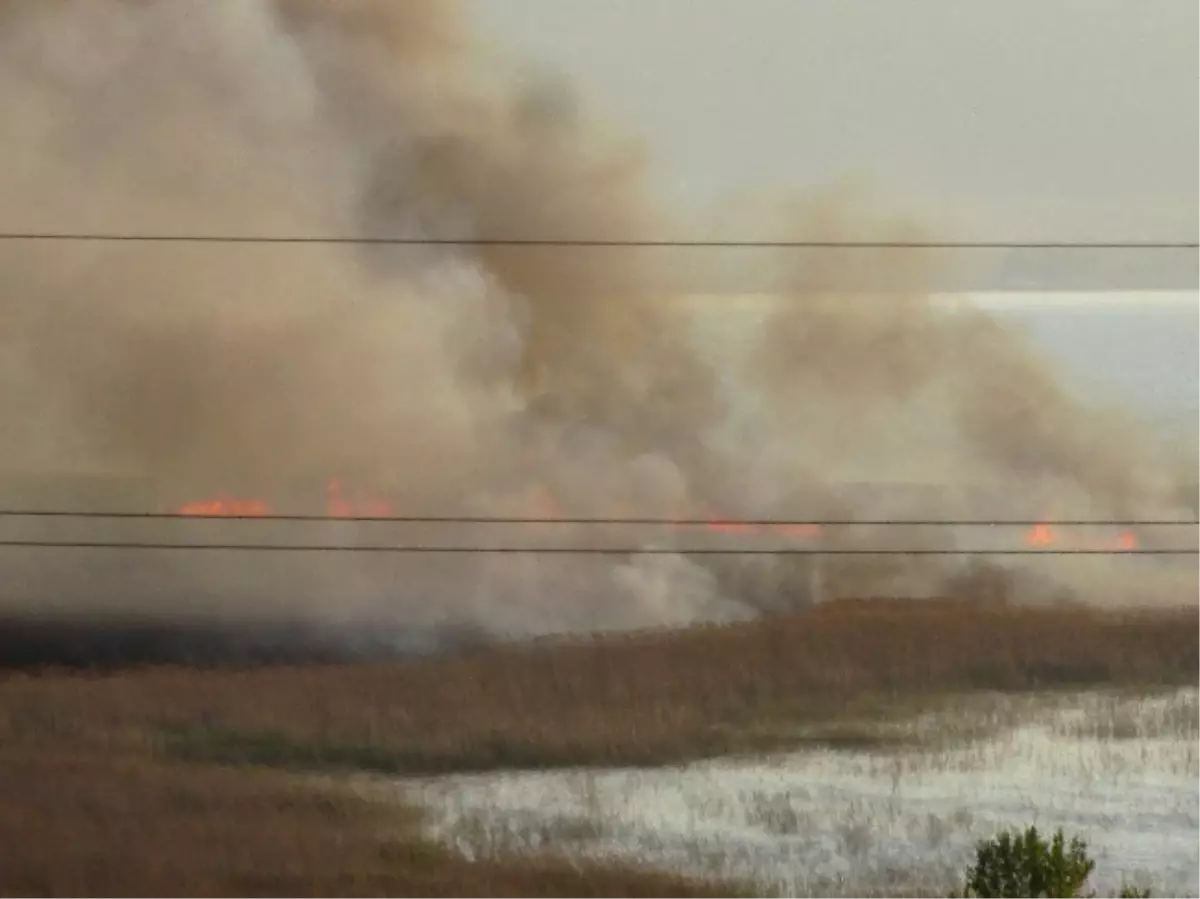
473 380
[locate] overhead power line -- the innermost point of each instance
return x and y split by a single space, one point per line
576 550
639 522
584 243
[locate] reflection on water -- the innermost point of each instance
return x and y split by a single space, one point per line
1119 771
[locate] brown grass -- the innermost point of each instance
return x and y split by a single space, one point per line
635 700
97 797
81 825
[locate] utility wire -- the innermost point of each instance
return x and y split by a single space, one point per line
577 551
83 237
570 521
642 522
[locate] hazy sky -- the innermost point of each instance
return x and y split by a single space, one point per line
1023 120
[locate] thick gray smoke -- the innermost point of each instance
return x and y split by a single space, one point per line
481 380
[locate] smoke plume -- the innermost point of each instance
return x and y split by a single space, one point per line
480 380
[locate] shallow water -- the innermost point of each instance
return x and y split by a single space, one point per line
1120 772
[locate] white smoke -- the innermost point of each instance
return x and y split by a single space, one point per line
477 380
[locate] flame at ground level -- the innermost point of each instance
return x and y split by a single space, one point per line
226 507
337 505
544 507
1043 536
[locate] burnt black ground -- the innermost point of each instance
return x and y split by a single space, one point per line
105 643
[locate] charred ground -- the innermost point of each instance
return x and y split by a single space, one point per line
107 642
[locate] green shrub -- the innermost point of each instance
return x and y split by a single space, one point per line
1016 864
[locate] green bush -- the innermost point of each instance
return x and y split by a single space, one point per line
1015 864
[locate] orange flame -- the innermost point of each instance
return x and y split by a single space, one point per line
336 506
545 504
225 507
1127 541
1041 535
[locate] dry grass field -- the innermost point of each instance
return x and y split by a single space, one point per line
74 824
182 781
